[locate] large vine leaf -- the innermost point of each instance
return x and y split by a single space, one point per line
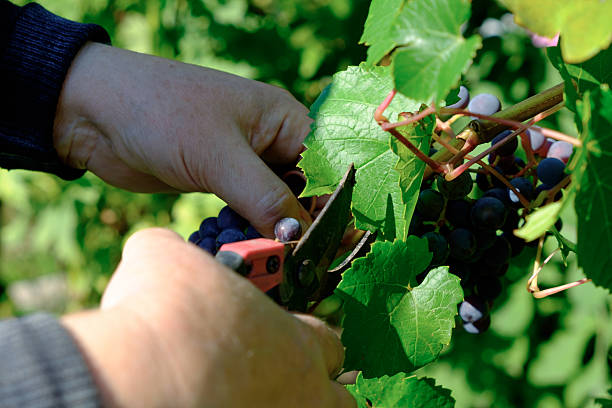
584 25
432 53
391 325
401 390
345 132
592 178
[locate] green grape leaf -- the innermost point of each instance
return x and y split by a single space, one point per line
401 390
409 167
345 132
582 77
592 177
392 325
540 221
377 28
584 25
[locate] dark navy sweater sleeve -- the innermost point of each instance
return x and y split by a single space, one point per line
36 50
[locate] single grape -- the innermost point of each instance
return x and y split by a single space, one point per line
208 244
430 204
484 104
551 170
489 287
510 165
460 269
489 213
438 246
462 244
251 233
457 188
473 308
479 326
536 138
509 147
524 187
560 150
512 221
516 244
229 218
227 236
432 151
483 181
499 253
209 228
458 213
464 98
500 193
287 229
194 237
484 237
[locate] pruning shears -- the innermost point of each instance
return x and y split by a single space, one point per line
296 273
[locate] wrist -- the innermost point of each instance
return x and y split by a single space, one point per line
75 135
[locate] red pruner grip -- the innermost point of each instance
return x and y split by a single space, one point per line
260 260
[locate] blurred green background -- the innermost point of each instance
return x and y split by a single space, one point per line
62 240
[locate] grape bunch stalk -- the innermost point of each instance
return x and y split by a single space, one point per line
469 228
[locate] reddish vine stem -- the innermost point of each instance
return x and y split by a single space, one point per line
378 114
414 118
415 150
524 202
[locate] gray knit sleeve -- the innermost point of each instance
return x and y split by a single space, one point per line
41 366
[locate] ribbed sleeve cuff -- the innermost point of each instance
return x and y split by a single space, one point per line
41 366
33 67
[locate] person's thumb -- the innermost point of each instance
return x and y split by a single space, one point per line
255 192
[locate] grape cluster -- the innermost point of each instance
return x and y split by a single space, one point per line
226 228
471 230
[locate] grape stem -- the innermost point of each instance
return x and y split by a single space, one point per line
378 114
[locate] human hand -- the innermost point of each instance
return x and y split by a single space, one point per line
149 124
178 329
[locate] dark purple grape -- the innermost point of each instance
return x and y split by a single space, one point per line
524 187
430 204
516 244
512 221
483 181
251 233
488 213
484 237
287 229
499 253
460 269
508 148
484 104
229 218
551 170
462 244
209 228
432 151
458 213
457 188
194 237
500 193
227 236
510 165
560 150
464 98
438 246
479 326
489 287
473 308
208 244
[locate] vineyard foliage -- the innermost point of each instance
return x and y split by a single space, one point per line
342 58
